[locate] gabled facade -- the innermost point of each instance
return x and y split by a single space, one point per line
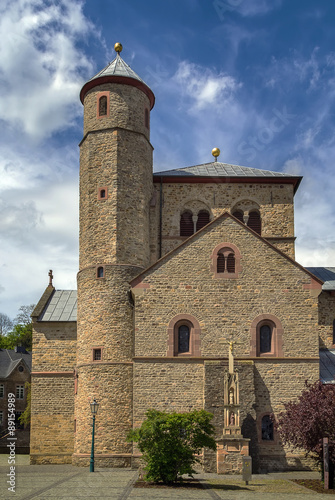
174 266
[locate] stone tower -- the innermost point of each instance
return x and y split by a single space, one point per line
115 191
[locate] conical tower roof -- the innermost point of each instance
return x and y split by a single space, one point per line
118 71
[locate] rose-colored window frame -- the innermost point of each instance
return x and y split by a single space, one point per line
99 95
100 189
276 340
173 327
227 247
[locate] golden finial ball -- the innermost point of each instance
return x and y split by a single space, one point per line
118 47
216 152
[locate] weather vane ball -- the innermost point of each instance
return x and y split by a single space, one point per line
216 152
118 47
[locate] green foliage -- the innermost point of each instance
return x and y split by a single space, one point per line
170 443
25 416
20 335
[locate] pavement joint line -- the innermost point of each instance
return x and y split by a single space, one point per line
128 489
60 481
209 490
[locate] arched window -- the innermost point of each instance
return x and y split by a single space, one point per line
267 428
146 117
266 336
184 336
186 223
103 105
100 272
254 221
239 215
226 261
203 219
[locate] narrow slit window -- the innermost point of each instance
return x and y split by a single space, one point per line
183 339
254 222
103 106
100 272
265 338
146 118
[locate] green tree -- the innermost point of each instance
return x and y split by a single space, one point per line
170 443
20 335
25 416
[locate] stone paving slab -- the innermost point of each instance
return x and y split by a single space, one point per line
58 482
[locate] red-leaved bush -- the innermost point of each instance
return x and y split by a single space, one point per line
304 423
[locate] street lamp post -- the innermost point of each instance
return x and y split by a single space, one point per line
94 409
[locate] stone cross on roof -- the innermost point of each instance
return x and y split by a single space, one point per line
50 277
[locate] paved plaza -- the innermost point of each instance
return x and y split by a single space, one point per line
57 482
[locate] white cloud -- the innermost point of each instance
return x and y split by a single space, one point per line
203 86
41 66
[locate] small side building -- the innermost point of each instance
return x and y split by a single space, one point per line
15 371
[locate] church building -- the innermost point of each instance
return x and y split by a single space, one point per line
188 297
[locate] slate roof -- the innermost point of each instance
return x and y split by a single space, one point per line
218 169
10 359
327 366
61 307
326 274
117 68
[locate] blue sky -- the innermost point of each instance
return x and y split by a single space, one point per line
255 78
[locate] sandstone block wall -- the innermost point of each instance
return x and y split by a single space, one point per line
326 319
274 202
52 395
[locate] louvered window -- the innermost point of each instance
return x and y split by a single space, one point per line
239 215
231 263
203 219
186 224
103 105
254 222
220 263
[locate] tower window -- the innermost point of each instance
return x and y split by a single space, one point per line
334 331
231 263
102 193
97 354
100 272
254 221
103 106
186 223
239 215
220 263
203 219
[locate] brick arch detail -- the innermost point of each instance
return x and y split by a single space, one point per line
172 331
214 256
277 340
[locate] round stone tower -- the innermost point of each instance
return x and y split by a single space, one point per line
115 191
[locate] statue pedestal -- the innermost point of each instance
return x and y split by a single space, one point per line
231 449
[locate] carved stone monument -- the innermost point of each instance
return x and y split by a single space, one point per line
232 447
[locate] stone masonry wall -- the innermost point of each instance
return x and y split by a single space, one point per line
52 395
274 201
184 283
326 318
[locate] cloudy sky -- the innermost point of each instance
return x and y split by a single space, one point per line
255 78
